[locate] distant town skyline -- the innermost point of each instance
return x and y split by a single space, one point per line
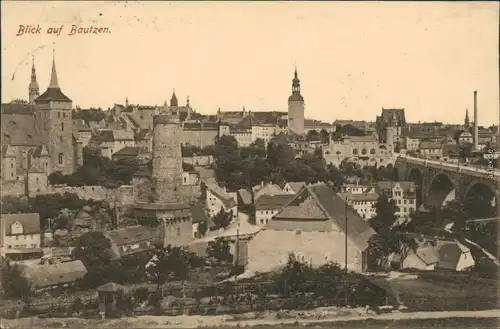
353 59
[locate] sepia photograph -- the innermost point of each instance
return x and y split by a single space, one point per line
267 164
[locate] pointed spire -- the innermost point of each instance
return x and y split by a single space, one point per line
173 100
53 77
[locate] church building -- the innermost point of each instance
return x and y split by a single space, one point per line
37 136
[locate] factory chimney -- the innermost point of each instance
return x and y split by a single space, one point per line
476 132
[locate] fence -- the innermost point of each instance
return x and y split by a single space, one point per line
228 297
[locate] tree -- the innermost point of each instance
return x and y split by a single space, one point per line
93 249
220 250
279 155
324 136
222 219
295 274
313 135
385 215
202 228
169 263
14 284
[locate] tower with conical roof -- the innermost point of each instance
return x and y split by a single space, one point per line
53 119
296 107
34 90
173 100
466 121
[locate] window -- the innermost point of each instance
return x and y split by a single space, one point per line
61 158
372 151
58 114
12 165
64 115
62 126
178 232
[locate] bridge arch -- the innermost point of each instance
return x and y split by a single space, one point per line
441 190
481 199
416 175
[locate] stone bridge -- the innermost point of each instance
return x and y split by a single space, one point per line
441 181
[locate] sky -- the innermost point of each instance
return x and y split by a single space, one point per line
353 59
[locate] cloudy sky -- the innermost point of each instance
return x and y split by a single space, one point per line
353 58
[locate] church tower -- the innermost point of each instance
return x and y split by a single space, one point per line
53 120
34 90
296 107
466 121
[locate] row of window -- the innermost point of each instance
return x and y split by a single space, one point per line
59 114
26 237
33 245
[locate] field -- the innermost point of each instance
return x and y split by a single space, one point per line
433 294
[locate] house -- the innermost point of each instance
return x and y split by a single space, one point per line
20 235
50 276
355 188
313 225
293 187
402 193
269 189
112 141
454 256
132 152
423 258
431 150
266 206
199 216
217 198
434 253
131 240
363 203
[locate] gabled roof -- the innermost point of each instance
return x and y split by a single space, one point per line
273 202
389 185
360 196
19 129
224 197
296 186
130 151
53 94
330 206
450 253
55 274
8 152
430 145
270 189
198 215
131 235
30 222
40 151
245 195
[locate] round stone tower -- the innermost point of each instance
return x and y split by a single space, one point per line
167 159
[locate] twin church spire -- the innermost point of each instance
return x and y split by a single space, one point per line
53 92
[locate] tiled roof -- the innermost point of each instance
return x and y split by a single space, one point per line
270 189
17 108
19 129
245 195
428 255
130 151
449 255
361 196
131 235
30 222
225 198
323 203
361 139
296 186
430 145
358 230
389 185
53 94
316 123
115 135
273 202
198 215
55 274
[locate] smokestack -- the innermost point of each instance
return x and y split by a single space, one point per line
476 132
